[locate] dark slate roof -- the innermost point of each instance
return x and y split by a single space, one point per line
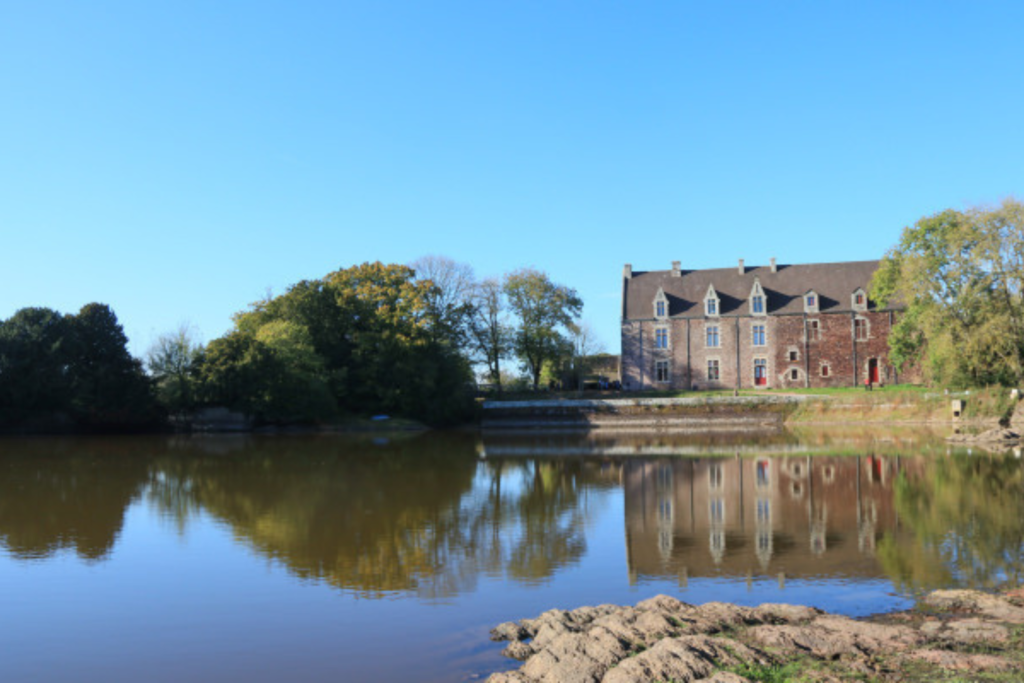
833 282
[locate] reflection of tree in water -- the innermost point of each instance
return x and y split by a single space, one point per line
63 494
407 515
967 515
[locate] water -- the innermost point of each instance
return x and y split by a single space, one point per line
335 558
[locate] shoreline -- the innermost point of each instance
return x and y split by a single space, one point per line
953 635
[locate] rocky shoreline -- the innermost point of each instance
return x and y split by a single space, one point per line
952 635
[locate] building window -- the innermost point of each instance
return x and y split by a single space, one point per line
757 304
661 339
660 306
812 301
713 370
712 336
758 335
712 306
825 370
860 329
813 330
859 299
794 374
661 371
794 355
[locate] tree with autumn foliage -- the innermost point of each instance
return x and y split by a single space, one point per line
960 275
359 340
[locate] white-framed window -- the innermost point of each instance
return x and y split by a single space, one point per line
859 300
758 335
794 374
793 355
713 370
660 304
712 336
811 302
861 330
813 330
711 303
661 371
826 370
757 299
661 338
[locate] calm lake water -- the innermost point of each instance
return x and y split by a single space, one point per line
338 558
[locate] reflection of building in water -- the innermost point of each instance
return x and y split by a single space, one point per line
740 516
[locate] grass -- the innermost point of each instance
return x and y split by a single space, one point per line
767 673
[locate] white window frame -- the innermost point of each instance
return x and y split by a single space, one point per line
754 335
853 300
660 365
816 306
716 364
757 295
866 326
712 303
661 338
660 300
709 332
813 330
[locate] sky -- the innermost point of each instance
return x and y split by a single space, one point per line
178 160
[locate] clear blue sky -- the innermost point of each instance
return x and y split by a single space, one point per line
176 159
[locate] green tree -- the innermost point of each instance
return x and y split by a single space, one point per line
33 362
109 388
546 311
960 275
372 327
173 361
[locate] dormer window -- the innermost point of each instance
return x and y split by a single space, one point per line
757 299
660 304
811 301
859 299
712 305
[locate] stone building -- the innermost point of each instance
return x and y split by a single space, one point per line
806 325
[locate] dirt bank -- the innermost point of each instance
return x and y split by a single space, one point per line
951 636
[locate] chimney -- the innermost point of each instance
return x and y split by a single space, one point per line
774 267
677 268
742 270
627 271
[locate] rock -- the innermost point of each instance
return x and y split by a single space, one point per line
976 631
975 601
687 658
576 658
958 661
510 630
832 637
519 651
784 614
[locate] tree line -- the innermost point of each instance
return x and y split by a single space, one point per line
373 338
960 277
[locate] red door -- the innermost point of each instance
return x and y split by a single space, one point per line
760 372
873 370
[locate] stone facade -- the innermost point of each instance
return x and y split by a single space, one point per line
764 327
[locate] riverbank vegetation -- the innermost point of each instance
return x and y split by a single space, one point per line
960 275
372 339
71 372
